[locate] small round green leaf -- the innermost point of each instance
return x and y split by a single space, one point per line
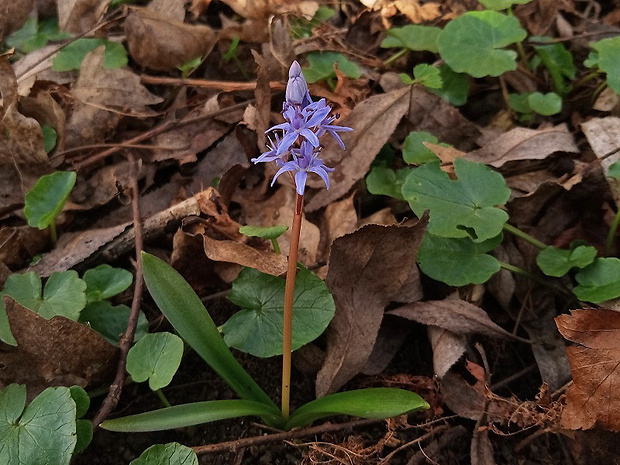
599 281
545 104
322 66
502 4
557 262
43 433
608 51
412 37
465 207
47 198
385 181
71 57
111 320
167 454
454 88
474 43
81 399
105 281
155 357
427 75
257 328
414 150
614 170
49 137
84 432
458 262
271 232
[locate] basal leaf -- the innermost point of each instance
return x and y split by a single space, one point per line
458 262
609 60
105 281
257 328
414 150
474 43
272 232
454 86
502 4
111 320
412 37
557 262
427 75
44 433
155 357
465 207
386 181
365 403
172 453
599 281
322 66
47 198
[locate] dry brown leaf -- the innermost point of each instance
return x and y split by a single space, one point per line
62 351
19 244
525 144
593 400
392 335
103 96
340 218
373 122
366 269
159 41
448 348
78 16
46 111
13 14
455 315
482 449
603 135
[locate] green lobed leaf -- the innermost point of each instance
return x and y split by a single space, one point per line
520 103
257 328
465 207
557 262
427 75
191 414
322 66
458 262
172 453
271 232
412 37
608 51
599 281
414 150
545 104
34 35
84 433
502 4
474 43
386 181
155 357
81 399
71 57
42 433
365 403
183 308
111 320
46 199
454 88
106 281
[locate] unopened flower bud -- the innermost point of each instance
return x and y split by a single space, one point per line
296 88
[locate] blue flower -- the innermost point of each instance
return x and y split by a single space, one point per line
325 125
272 154
305 160
299 123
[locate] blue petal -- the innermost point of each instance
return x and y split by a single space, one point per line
300 181
310 137
289 166
322 173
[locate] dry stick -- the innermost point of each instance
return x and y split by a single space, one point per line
298 433
289 292
110 402
226 86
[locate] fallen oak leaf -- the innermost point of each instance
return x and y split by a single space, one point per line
592 400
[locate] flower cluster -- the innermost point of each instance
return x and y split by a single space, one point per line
297 149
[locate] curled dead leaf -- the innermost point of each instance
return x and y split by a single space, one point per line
78 16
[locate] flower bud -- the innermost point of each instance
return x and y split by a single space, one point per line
296 88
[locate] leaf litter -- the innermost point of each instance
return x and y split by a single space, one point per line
203 83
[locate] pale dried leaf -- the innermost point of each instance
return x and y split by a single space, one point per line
264 261
78 16
366 268
603 135
448 348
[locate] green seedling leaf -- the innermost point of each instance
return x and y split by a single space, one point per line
592 60
557 262
42 433
520 103
474 43
608 60
105 281
599 281
196 413
302 28
414 150
81 399
412 37
365 403
458 262
232 50
322 66
427 75
272 232
71 57
559 62
545 104
187 68
257 328
155 357
34 35
111 320
614 170
49 138
183 308
83 428
498 5
167 454
64 293
454 88
385 181
465 207
46 199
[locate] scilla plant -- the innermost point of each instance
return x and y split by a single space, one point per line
296 151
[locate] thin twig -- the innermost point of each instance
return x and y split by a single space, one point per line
265 439
226 86
418 440
116 387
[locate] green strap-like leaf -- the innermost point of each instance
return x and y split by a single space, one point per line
195 413
183 308
365 403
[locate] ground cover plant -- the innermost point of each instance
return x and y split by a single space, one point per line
397 220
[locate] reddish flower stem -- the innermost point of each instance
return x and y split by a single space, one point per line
289 292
